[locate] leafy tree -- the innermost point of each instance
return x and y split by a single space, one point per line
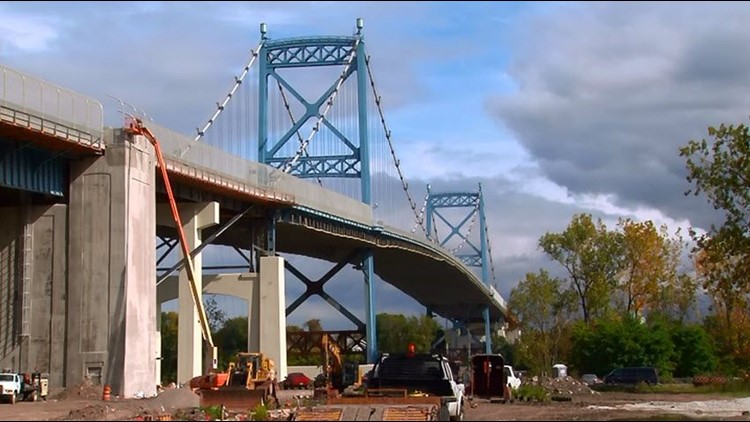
216 317
544 310
395 332
592 257
231 339
611 343
313 325
169 347
720 169
501 345
650 261
678 300
694 351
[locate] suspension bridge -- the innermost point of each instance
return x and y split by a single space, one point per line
297 158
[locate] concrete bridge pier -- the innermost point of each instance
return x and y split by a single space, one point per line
264 293
111 292
272 312
195 217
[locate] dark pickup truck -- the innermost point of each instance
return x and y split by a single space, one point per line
399 387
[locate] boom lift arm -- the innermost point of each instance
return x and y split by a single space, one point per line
135 126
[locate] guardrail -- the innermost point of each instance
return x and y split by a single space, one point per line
178 146
27 99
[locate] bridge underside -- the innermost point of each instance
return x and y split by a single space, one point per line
412 268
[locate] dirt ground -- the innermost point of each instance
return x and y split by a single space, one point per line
597 406
616 406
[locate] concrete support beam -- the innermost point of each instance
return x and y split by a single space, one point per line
112 267
273 310
243 285
195 217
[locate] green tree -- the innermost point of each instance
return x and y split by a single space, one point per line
694 351
544 309
216 317
592 256
169 322
611 343
231 338
396 331
720 169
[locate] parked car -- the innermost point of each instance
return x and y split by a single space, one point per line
296 380
591 379
632 375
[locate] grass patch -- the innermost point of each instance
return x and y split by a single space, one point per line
531 392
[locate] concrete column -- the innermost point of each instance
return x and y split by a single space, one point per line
112 266
273 310
157 342
195 217
242 285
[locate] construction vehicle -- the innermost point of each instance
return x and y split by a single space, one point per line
337 374
252 379
23 387
400 387
248 382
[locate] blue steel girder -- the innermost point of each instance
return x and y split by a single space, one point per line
473 260
316 288
309 51
454 199
456 230
330 166
312 110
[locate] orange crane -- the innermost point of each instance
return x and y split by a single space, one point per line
135 126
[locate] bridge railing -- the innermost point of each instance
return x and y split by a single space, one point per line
35 98
178 146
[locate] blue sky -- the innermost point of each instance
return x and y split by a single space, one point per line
557 108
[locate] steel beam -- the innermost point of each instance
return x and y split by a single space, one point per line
315 287
179 264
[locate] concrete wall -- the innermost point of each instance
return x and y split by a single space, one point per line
112 268
11 246
43 348
48 284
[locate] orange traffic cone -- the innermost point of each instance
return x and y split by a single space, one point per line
106 394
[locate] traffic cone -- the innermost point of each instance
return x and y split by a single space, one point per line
106 394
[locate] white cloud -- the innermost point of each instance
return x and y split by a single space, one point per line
26 32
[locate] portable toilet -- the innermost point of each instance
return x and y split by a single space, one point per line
559 371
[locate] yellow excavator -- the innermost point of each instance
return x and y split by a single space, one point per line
337 373
249 381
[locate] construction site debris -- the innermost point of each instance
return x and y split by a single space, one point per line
560 387
86 390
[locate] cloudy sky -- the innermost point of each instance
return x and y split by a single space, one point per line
557 108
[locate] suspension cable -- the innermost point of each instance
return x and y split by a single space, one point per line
221 107
489 250
421 216
487 236
468 232
396 161
329 103
291 118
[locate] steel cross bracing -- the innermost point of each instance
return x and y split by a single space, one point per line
316 288
454 200
306 52
309 51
